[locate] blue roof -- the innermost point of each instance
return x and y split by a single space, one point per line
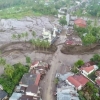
15 96
3 94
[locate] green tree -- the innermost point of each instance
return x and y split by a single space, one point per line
28 60
43 44
63 21
47 45
79 63
33 34
19 37
95 59
38 43
26 35
23 35
9 70
2 61
56 80
14 36
89 39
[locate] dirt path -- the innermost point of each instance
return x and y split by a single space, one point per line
58 60
50 76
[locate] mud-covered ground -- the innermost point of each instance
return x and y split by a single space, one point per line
17 52
8 27
76 50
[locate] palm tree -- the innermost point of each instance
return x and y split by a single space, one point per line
14 36
43 44
47 45
26 35
33 34
9 70
19 37
38 43
23 35
33 43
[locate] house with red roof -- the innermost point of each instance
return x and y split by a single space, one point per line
88 69
80 23
34 64
38 64
77 81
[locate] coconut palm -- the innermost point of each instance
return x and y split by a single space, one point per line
33 34
23 35
19 37
47 45
33 43
38 43
14 36
26 35
43 44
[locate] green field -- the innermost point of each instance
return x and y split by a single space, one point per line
18 12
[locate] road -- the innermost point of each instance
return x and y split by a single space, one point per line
57 61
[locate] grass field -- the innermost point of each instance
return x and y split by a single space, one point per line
18 12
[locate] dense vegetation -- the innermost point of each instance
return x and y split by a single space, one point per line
90 34
96 60
12 76
10 3
21 8
46 10
94 8
87 94
92 76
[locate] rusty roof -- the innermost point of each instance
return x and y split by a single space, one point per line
80 22
32 88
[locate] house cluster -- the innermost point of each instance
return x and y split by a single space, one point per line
81 79
64 90
88 68
70 83
28 88
71 38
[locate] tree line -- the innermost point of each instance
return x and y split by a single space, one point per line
11 3
94 8
36 42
